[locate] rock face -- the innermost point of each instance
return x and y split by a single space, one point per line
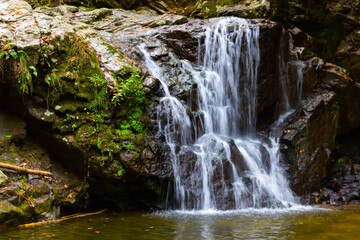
308 138
30 197
342 181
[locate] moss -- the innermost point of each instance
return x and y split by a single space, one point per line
87 103
72 60
68 108
113 50
10 214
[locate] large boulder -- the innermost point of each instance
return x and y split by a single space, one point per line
348 55
307 139
336 79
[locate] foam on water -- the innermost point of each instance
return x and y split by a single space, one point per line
241 212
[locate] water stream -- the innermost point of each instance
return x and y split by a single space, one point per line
218 161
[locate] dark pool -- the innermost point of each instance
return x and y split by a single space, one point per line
296 223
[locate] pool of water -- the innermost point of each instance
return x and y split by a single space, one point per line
295 223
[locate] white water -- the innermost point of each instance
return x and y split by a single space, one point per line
221 164
290 96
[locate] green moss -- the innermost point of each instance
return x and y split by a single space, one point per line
68 108
89 105
113 50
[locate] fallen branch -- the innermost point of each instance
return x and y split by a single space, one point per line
78 215
24 170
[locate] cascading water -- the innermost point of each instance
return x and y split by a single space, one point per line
290 96
218 162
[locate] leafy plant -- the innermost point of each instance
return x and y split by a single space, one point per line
26 72
121 170
100 92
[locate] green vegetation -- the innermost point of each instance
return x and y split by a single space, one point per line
26 72
49 3
107 115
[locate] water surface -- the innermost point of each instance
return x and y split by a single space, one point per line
297 223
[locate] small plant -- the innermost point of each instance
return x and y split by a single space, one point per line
24 192
120 171
100 92
25 81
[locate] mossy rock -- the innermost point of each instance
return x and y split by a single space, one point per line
10 214
3 178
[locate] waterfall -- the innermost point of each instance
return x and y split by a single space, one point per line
290 96
218 161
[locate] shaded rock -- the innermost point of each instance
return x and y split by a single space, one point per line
356 168
335 79
12 129
349 58
309 43
248 9
125 4
308 139
9 214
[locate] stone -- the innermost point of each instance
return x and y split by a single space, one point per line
306 140
10 214
335 78
248 9
356 169
12 129
93 16
3 178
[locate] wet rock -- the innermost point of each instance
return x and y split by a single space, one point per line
151 84
335 184
237 159
184 39
310 44
354 196
307 141
349 178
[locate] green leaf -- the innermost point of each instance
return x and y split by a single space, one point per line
34 70
13 53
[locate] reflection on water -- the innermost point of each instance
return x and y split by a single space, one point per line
296 223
